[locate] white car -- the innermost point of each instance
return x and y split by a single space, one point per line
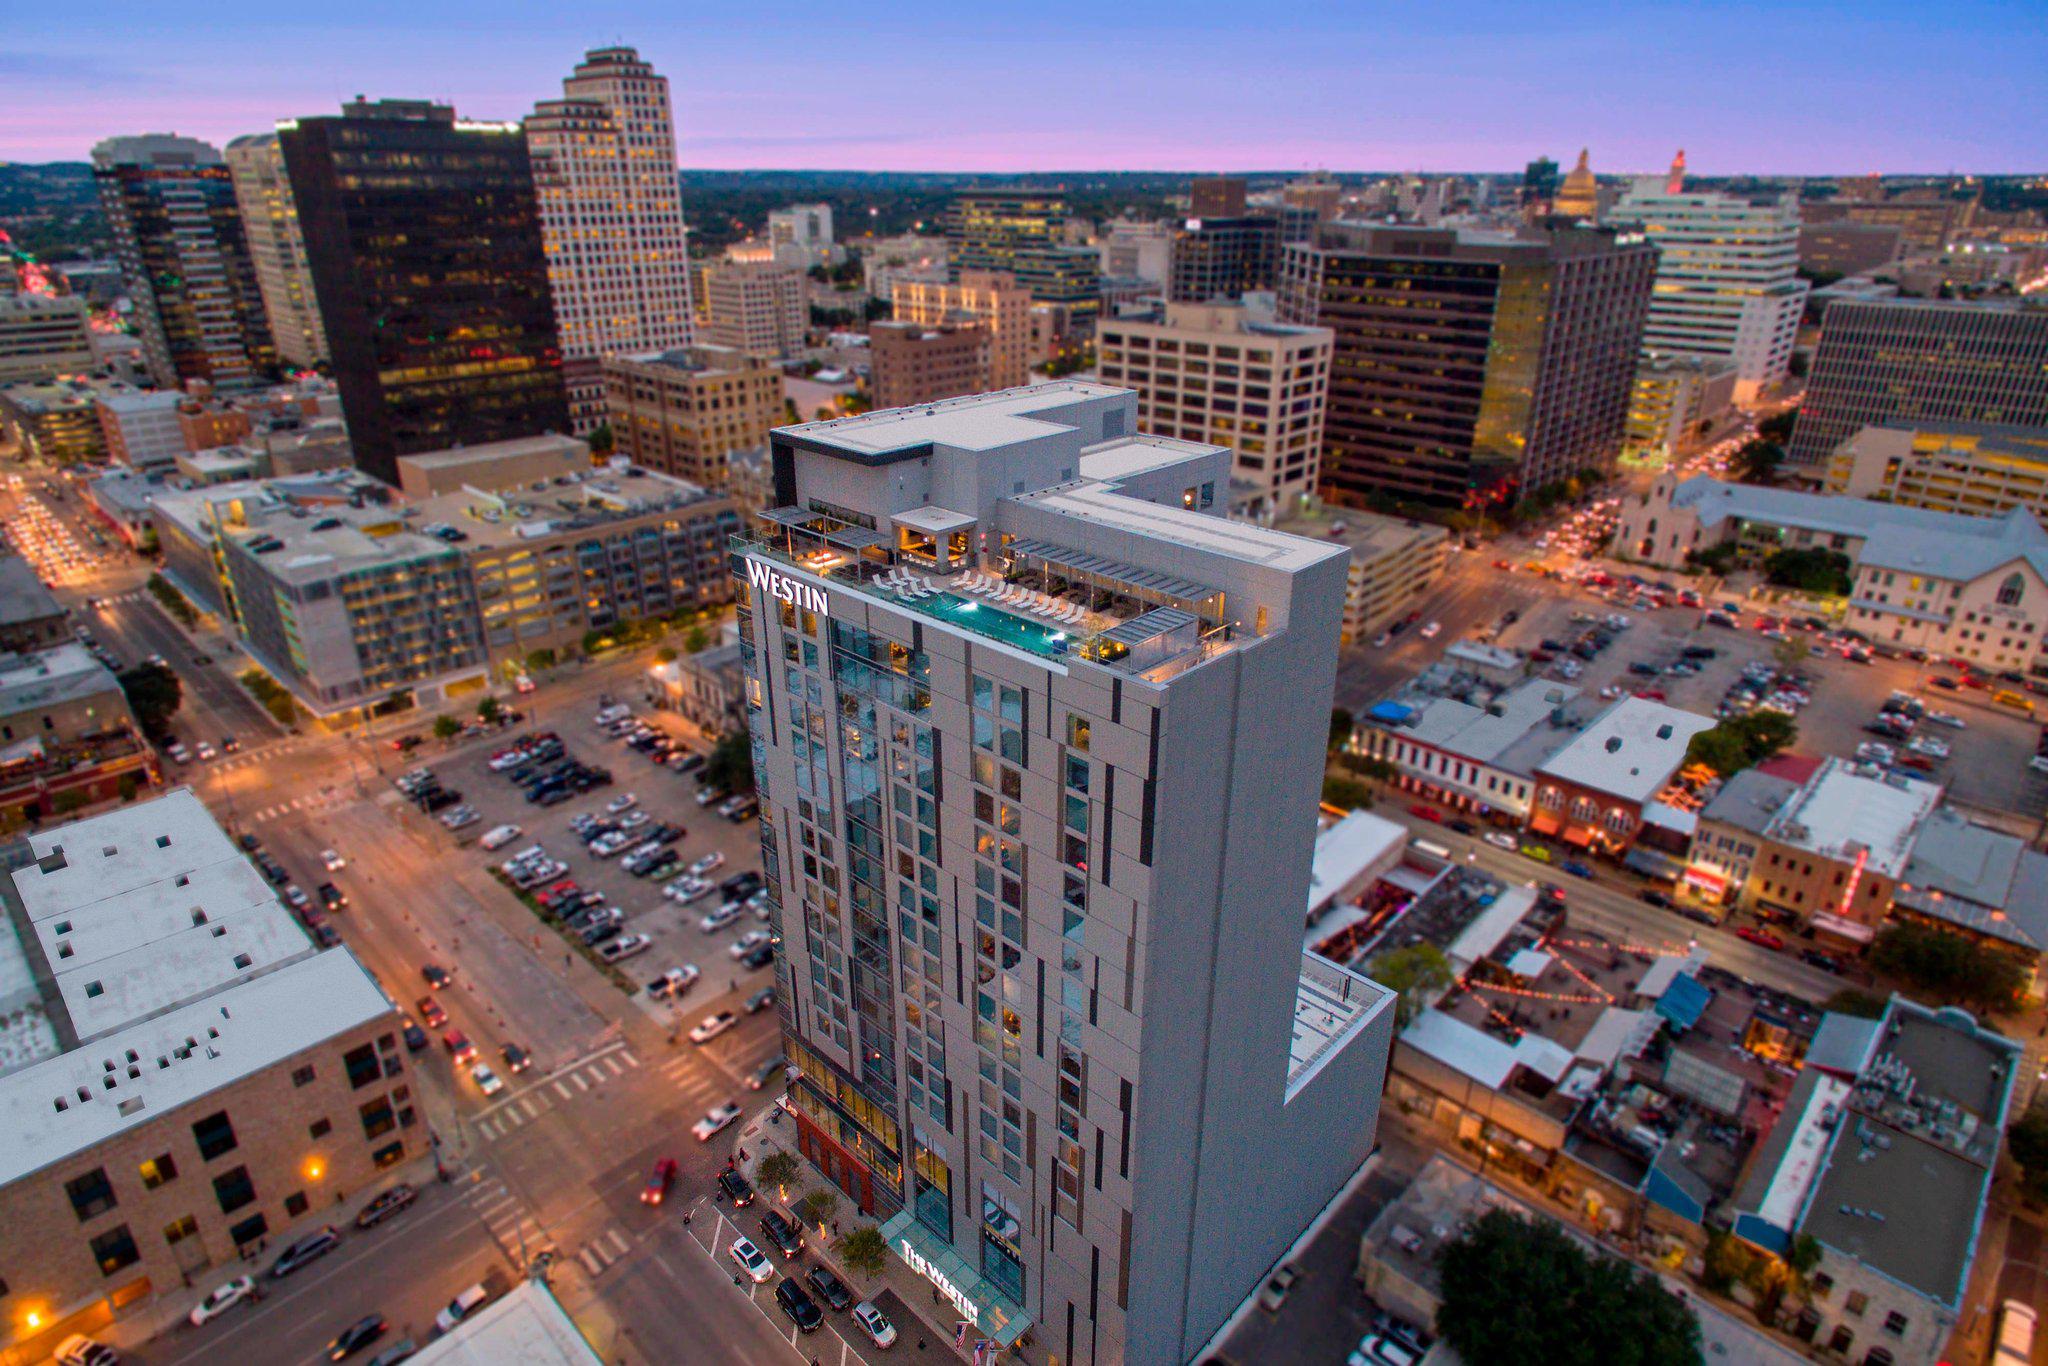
604 846
1429 632
624 947
1948 718
874 1323
206 750
758 1268
1501 839
674 982
625 801
332 861
222 1298
461 1307
715 1122
709 863
747 943
721 917
689 888
711 1026
1382 640
501 836
487 1081
634 820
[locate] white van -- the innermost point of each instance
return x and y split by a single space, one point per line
461 1307
500 837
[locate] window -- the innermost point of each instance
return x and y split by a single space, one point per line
91 1194
362 1065
389 1155
320 1128
1857 1302
295 1204
377 1118
249 1231
302 1076
158 1170
214 1135
1895 1323
2011 591
234 1189
115 1249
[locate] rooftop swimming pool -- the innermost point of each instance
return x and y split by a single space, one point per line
1039 638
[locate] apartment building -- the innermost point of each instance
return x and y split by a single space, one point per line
197 303
1676 401
977 802
284 274
991 298
485 363
1216 373
801 236
1021 232
611 218
1977 468
683 412
55 423
1972 588
1395 562
1469 369
885 260
141 426
1728 280
31 618
43 337
757 307
1133 250
201 1080
913 363
67 737
1224 258
1923 361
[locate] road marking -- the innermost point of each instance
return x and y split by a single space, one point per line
511 1120
631 1061
581 1084
562 1091
590 1263
485 1128
618 1240
618 1068
532 1110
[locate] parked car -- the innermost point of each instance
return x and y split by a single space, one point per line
222 1298
829 1288
305 1251
711 1026
356 1336
747 943
785 1235
801 1309
875 1324
1501 839
674 982
751 1260
761 957
759 1001
624 947
461 1307
736 1188
1759 936
386 1204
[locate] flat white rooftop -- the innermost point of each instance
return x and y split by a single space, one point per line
1347 851
1332 1005
975 422
1123 456
1629 750
1243 541
1840 809
527 1327
58 1107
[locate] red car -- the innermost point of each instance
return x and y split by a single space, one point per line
1762 937
1651 694
1426 813
658 1182
1506 565
459 1047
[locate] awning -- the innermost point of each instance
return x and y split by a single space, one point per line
1113 573
1579 835
1654 863
932 519
1841 928
935 1259
1705 879
1543 825
1684 1001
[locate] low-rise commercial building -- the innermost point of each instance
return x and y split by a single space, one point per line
1394 562
208 1078
55 424
1473 745
992 298
1594 792
43 337
67 737
1976 468
31 618
1885 1158
684 412
707 689
1677 400
916 364
124 499
1984 884
494 466
142 427
1972 588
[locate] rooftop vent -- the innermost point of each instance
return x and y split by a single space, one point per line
1614 744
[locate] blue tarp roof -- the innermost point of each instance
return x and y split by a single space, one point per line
1392 712
1684 1001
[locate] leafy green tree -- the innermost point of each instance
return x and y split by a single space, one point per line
864 1251
1947 967
1341 726
602 440
818 1207
1849 1001
446 727
777 1169
2027 1139
731 763
1756 462
1517 1290
1718 559
1788 654
1418 972
1814 570
1346 792
697 641
489 710
665 655
1742 742
1778 426
154 694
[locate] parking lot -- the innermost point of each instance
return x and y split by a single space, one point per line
661 795
1987 767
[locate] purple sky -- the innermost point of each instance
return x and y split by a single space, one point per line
1144 84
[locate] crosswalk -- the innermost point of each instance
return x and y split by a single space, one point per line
256 754
603 1250
564 1084
305 804
512 1226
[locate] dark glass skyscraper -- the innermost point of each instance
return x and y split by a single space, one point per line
170 202
425 244
1224 258
1470 370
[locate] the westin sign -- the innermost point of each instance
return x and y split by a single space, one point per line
777 584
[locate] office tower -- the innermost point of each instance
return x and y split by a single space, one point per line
1216 197
1470 370
170 204
908 256
42 337
801 236
1022 231
1223 258
1899 360
1539 181
1319 193
433 287
611 218
1580 195
1848 248
756 306
1214 373
1132 250
988 297
686 412
913 363
1728 282
270 217
1039 847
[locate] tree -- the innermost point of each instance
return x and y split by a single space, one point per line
154 694
1717 559
731 763
1346 793
1417 972
1778 426
1742 742
1951 969
1788 654
777 1169
1524 1290
602 440
864 1251
1341 726
489 710
446 727
1757 462
1849 1001
818 1207
665 655
697 641
2027 1139
1812 570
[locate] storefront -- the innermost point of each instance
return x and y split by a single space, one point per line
986 1319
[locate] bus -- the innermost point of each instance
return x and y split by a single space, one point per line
1433 849
2013 1345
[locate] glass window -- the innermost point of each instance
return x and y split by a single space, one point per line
91 1194
234 1189
362 1066
115 1249
158 1170
214 1135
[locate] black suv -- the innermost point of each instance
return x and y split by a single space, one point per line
783 1233
736 1189
830 1288
740 886
803 1311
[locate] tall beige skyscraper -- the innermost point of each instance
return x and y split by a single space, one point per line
604 166
270 218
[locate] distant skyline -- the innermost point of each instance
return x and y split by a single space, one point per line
1196 85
